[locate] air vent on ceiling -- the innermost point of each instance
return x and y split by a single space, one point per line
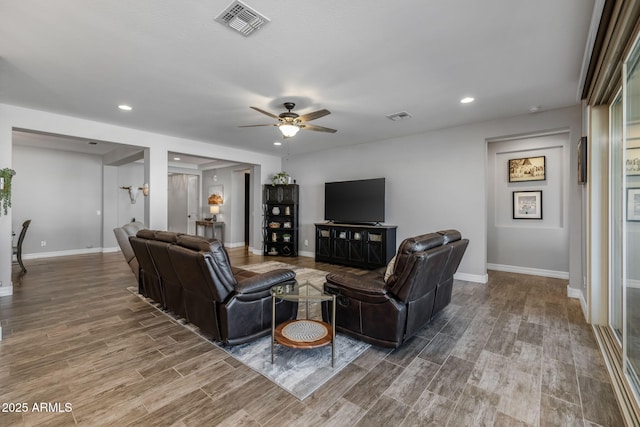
241 18
403 115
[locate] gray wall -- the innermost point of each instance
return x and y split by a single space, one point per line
435 180
61 192
529 245
131 174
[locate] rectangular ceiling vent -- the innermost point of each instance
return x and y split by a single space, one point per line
403 115
241 18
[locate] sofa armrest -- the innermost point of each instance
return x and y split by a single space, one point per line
369 287
264 282
371 283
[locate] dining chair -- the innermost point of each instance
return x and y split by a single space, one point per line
17 250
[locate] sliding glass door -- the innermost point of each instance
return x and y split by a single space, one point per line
616 215
631 225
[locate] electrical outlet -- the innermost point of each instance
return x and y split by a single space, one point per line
43 243
306 242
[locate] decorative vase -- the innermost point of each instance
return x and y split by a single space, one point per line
275 210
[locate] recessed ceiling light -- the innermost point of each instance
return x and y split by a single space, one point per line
176 158
277 143
125 107
467 100
534 109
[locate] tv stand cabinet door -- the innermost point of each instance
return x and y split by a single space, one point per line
364 247
340 247
323 244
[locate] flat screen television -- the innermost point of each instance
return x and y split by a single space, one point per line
360 201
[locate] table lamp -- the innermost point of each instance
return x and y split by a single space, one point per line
213 210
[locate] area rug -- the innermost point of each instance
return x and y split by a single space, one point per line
300 372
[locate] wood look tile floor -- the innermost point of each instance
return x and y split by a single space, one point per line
514 352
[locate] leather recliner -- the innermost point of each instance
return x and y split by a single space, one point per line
122 236
445 285
158 247
387 313
232 304
149 283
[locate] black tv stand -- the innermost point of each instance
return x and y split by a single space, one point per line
357 245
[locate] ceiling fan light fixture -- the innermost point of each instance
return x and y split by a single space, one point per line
288 130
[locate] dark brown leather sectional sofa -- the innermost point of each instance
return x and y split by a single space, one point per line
192 277
419 285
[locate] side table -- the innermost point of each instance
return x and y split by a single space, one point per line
217 229
303 333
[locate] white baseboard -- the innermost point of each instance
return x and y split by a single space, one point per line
577 294
307 254
234 244
475 278
6 291
109 250
573 292
62 253
526 270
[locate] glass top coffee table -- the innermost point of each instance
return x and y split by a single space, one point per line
302 333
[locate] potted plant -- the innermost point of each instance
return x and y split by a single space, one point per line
286 237
5 188
281 178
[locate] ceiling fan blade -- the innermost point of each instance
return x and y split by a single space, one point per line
306 126
266 113
315 115
252 126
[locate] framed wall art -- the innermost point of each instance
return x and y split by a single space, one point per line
527 169
582 160
527 204
632 161
633 204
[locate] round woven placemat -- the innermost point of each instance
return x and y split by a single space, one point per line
304 331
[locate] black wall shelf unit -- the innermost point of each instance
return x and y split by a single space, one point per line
280 228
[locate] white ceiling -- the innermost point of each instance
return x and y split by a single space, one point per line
188 76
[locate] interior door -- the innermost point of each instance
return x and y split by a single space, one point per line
183 199
193 202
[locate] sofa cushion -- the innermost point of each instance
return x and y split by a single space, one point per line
146 234
219 258
167 236
412 245
390 268
193 242
450 235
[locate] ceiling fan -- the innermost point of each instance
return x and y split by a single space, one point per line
290 123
